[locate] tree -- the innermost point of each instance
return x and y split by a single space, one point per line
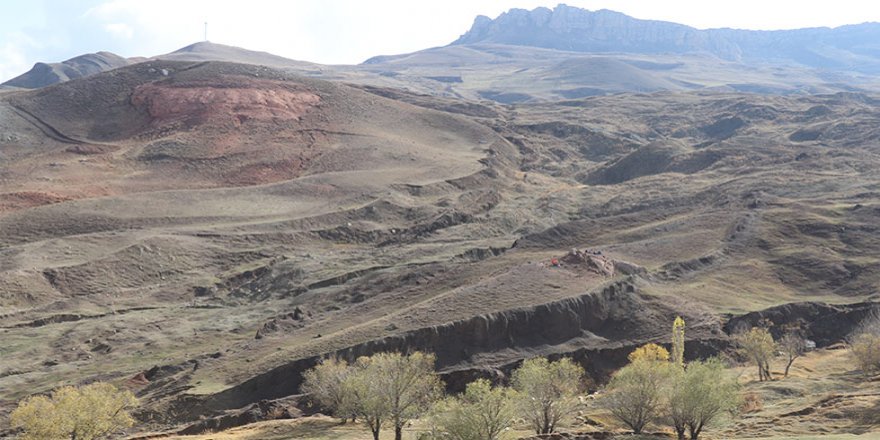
547 391
483 412
649 352
793 346
678 406
700 395
372 403
636 392
386 388
85 413
757 344
678 341
864 343
408 383
330 385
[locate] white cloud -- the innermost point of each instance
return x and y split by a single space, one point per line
119 30
14 54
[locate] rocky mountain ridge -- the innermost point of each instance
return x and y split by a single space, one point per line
604 31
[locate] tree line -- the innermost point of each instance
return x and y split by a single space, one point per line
391 389
388 390
656 387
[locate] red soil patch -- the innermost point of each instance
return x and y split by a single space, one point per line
245 99
28 199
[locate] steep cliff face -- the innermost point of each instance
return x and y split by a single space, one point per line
574 29
580 30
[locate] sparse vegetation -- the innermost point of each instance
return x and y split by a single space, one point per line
547 391
143 226
78 413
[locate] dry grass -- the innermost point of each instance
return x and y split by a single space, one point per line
389 175
824 394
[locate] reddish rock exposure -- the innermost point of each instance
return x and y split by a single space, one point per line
590 260
28 199
236 102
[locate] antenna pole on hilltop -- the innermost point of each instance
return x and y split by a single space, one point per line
206 31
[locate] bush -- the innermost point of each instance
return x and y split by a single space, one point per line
86 413
751 402
866 349
865 343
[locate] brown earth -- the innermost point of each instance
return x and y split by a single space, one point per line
218 199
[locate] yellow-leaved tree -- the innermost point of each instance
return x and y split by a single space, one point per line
678 341
649 352
77 413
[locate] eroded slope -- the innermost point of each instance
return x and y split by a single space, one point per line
405 226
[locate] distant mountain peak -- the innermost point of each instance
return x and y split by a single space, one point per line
604 31
44 74
580 30
206 46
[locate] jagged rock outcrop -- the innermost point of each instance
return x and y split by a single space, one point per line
284 323
574 29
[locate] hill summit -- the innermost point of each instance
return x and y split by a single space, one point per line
44 74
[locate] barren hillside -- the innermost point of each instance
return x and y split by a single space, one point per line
204 231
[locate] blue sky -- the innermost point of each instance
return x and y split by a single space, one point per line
337 31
